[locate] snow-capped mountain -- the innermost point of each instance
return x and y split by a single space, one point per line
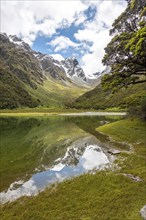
20 43
67 68
30 78
73 69
50 66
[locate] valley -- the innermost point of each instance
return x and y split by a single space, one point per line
73 110
31 79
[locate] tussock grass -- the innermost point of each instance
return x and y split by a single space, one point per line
132 131
102 196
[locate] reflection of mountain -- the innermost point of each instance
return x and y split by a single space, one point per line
76 150
32 143
79 158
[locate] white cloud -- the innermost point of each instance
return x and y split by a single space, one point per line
57 57
96 32
108 11
80 19
60 43
85 35
26 17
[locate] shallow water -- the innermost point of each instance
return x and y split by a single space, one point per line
36 152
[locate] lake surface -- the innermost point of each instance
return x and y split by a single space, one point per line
36 152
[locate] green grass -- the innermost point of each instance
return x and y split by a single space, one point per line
131 130
118 101
38 111
102 196
55 94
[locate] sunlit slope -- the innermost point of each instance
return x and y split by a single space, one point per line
55 93
123 98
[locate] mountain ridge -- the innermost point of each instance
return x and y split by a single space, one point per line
44 79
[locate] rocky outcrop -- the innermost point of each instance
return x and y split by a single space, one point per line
134 178
51 67
73 69
143 212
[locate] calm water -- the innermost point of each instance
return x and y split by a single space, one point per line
36 152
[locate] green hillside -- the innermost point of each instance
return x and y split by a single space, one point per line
123 98
23 82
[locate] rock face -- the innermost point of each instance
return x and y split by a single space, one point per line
143 212
114 151
134 178
73 69
51 67
20 43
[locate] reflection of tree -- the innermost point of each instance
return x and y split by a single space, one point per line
89 125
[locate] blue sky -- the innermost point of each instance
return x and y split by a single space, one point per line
64 28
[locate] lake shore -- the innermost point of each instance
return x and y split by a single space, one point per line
28 114
94 114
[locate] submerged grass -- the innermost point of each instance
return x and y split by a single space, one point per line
106 195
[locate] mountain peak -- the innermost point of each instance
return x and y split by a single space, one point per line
14 38
19 42
72 68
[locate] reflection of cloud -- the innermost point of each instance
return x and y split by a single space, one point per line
27 189
88 158
93 159
58 167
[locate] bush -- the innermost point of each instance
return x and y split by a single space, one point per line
138 110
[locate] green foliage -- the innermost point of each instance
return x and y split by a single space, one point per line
12 91
100 99
126 53
138 108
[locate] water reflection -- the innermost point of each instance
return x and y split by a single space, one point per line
77 160
38 151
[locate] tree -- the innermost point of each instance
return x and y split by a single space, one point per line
126 53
